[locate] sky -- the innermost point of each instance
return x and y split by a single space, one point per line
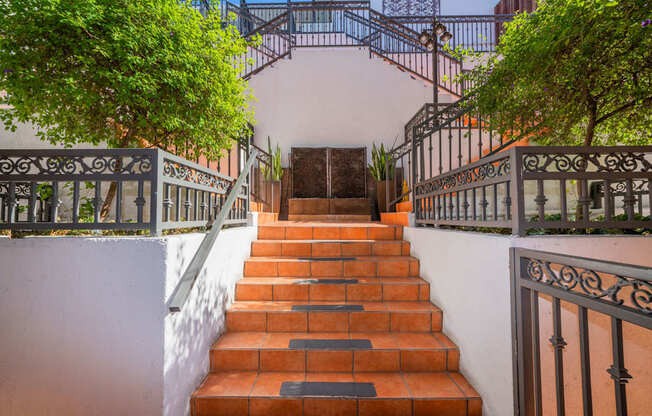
453 7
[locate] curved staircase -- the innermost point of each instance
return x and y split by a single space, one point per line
332 319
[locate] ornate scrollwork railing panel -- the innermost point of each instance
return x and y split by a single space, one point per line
112 189
612 288
595 187
580 290
476 194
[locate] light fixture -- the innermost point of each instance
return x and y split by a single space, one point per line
423 38
429 39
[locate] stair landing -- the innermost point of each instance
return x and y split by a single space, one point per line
333 319
323 209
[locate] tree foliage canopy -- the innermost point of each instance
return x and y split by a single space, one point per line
123 72
573 72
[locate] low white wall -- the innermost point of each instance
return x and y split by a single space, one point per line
190 333
469 277
85 330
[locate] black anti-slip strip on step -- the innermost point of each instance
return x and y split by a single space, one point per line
325 281
327 389
326 308
327 258
330 344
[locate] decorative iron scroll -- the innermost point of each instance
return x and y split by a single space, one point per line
411 7
619 188
587 162
493 169
444 117
179 171
22 190
75 165
589 283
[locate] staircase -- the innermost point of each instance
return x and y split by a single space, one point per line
332 319
353 24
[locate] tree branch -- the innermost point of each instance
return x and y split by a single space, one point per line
620 109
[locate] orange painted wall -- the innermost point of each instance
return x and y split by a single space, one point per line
638 361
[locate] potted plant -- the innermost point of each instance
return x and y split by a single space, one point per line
382 170
272 175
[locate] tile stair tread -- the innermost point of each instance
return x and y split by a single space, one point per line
286 306
331 241
379 340
364 224
406 385
369 279
272 280
344 258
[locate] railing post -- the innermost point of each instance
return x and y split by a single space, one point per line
249 182
516 191
369 36
387 187
11 206
290 27
413 174
156 194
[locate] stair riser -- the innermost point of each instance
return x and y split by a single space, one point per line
334 361
334 292
336 268
336 249
366 321
261 406
266 232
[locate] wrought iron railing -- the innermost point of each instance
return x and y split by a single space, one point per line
539 187
268 44
284 26
400 45
66 189
448 139
479 33
599 299
182 290
261 194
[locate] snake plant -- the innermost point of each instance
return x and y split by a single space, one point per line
276 171
380 159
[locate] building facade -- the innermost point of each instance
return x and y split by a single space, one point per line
514 6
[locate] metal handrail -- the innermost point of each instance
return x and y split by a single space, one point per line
184 286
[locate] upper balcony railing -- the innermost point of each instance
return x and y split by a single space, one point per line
480 32
283 26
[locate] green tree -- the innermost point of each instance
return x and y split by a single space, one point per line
126 73
573 72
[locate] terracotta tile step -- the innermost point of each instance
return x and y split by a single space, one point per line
374 317
342 289
397 394
329 231
262 351
332 248
363 266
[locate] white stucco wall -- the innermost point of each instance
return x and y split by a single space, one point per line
23 138
190 333
334 97
85 330
469 277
